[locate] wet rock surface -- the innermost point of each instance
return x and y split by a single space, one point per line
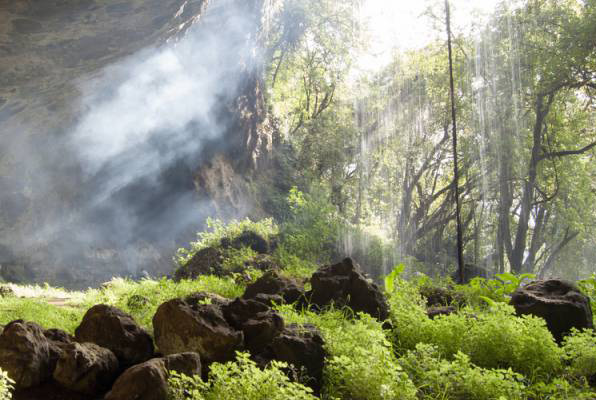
343 284
113 329
149 380
559 303
86 368
25 354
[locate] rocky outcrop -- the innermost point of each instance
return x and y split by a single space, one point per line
207 261
302 348
559 303
251 240
181 327
343 284
25 354
274 288
257 322
86 368
149 380
113 329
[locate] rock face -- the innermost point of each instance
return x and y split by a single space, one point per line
272 287
558 302
181 327
86 368
343 284
113 329
149 380
25 354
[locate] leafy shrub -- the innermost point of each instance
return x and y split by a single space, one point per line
498 289
311 231
141 299
499 339
360 362
6 386
217 230
239 380
588 287
579 349
439 378
560 389
492 338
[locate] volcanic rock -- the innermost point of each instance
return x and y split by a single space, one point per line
301 347
343 284
207 261
113 329
86 368
181 327
149 380
25 353
255 320
57 339
252 240
433 312
558 302
272 287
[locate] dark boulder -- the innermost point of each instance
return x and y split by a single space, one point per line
57 339
25 354
252 240
302 348
114 329
181 327
343 284
6 291
435 311
207 261
272 287
86 368
197 298
149 380
440 297
258 323
558 302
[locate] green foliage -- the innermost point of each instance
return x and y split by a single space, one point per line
141 299
217 230
498 289
438 378
360 362
492 338
6 386
560 389
579 350
588 287
239 380
40 311
394 275
311 231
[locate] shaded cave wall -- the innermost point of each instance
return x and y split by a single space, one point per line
46 50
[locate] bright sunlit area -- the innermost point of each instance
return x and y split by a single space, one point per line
397 25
